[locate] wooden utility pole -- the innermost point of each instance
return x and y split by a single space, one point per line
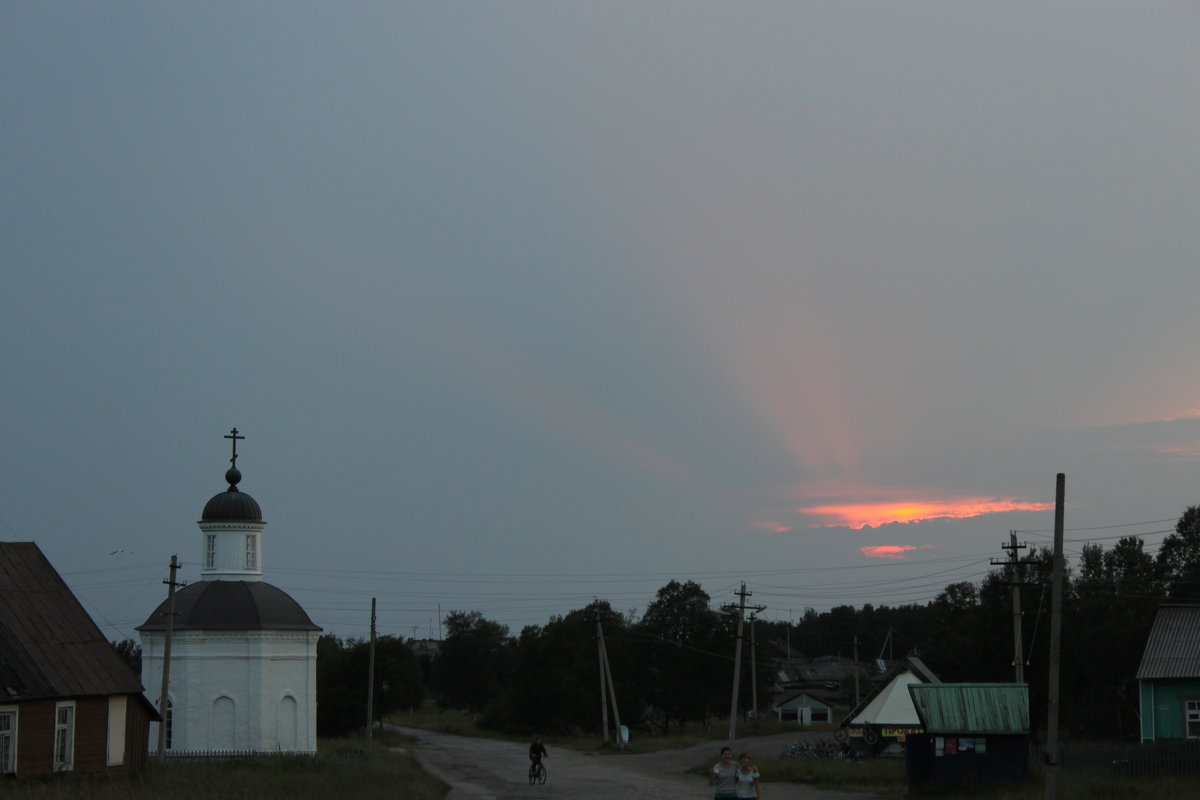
740 610
753 670
612 692
857 698
603 691
163 701
371 682
737 662
1014 583
1052 764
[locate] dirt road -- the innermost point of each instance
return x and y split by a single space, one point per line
482 769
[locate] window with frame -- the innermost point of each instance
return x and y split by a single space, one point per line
8 741
64 736
251 551
210 550
1191 719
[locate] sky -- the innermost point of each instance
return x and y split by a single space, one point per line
524 304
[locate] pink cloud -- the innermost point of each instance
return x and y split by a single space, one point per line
893 504
772 527
899 551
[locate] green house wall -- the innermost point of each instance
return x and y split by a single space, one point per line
1162 707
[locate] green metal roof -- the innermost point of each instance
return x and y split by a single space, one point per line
979 708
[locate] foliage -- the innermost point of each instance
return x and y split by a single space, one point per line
475 662
682 679
1179 558
342 670
556 682
131 653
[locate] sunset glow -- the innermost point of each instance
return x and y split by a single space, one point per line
862 515
899 551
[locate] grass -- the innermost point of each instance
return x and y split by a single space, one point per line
886 777
341 769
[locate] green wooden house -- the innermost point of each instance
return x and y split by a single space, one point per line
1169 675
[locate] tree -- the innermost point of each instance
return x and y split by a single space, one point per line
342 672
1179 558
556 681
683 670
131 653
474 663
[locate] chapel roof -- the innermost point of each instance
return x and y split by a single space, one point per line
231 606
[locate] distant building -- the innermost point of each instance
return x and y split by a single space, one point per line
68 702
1169 675
243 668
803 708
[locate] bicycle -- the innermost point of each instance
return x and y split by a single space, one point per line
537 773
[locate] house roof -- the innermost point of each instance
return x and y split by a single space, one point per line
49 646
992 708
890 704
1173 649
792 699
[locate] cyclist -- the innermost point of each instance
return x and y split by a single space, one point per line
536 751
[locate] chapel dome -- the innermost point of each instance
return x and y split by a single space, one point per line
231 606
232 504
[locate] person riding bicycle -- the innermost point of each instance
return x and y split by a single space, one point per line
536 751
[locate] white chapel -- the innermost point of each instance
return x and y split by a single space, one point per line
243 653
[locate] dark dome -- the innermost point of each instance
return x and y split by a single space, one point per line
231 606
231 505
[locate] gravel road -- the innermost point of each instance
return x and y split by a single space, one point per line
484 769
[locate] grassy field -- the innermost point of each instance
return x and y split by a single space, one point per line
887 777
340 770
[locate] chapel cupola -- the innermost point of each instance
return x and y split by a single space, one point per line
232 526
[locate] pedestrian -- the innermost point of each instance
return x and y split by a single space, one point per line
747 778
723 777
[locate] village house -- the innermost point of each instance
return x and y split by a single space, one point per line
1169 675
68 702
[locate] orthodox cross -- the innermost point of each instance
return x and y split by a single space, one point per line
233 434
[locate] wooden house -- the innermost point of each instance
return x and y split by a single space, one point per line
1169 675
973 733
68 702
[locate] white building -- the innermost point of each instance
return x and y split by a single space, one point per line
243 670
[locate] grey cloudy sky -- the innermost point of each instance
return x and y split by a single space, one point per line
520 304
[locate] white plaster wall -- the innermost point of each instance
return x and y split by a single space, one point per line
256 669
229 558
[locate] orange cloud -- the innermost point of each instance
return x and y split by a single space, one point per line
891 550
772 527
862 515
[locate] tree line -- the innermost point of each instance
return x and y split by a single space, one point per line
672 664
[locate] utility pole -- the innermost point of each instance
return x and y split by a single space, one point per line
612 692
1015 585
1052 764
603 691
740 610
753 669
371 682
737 662
166 665
857 699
